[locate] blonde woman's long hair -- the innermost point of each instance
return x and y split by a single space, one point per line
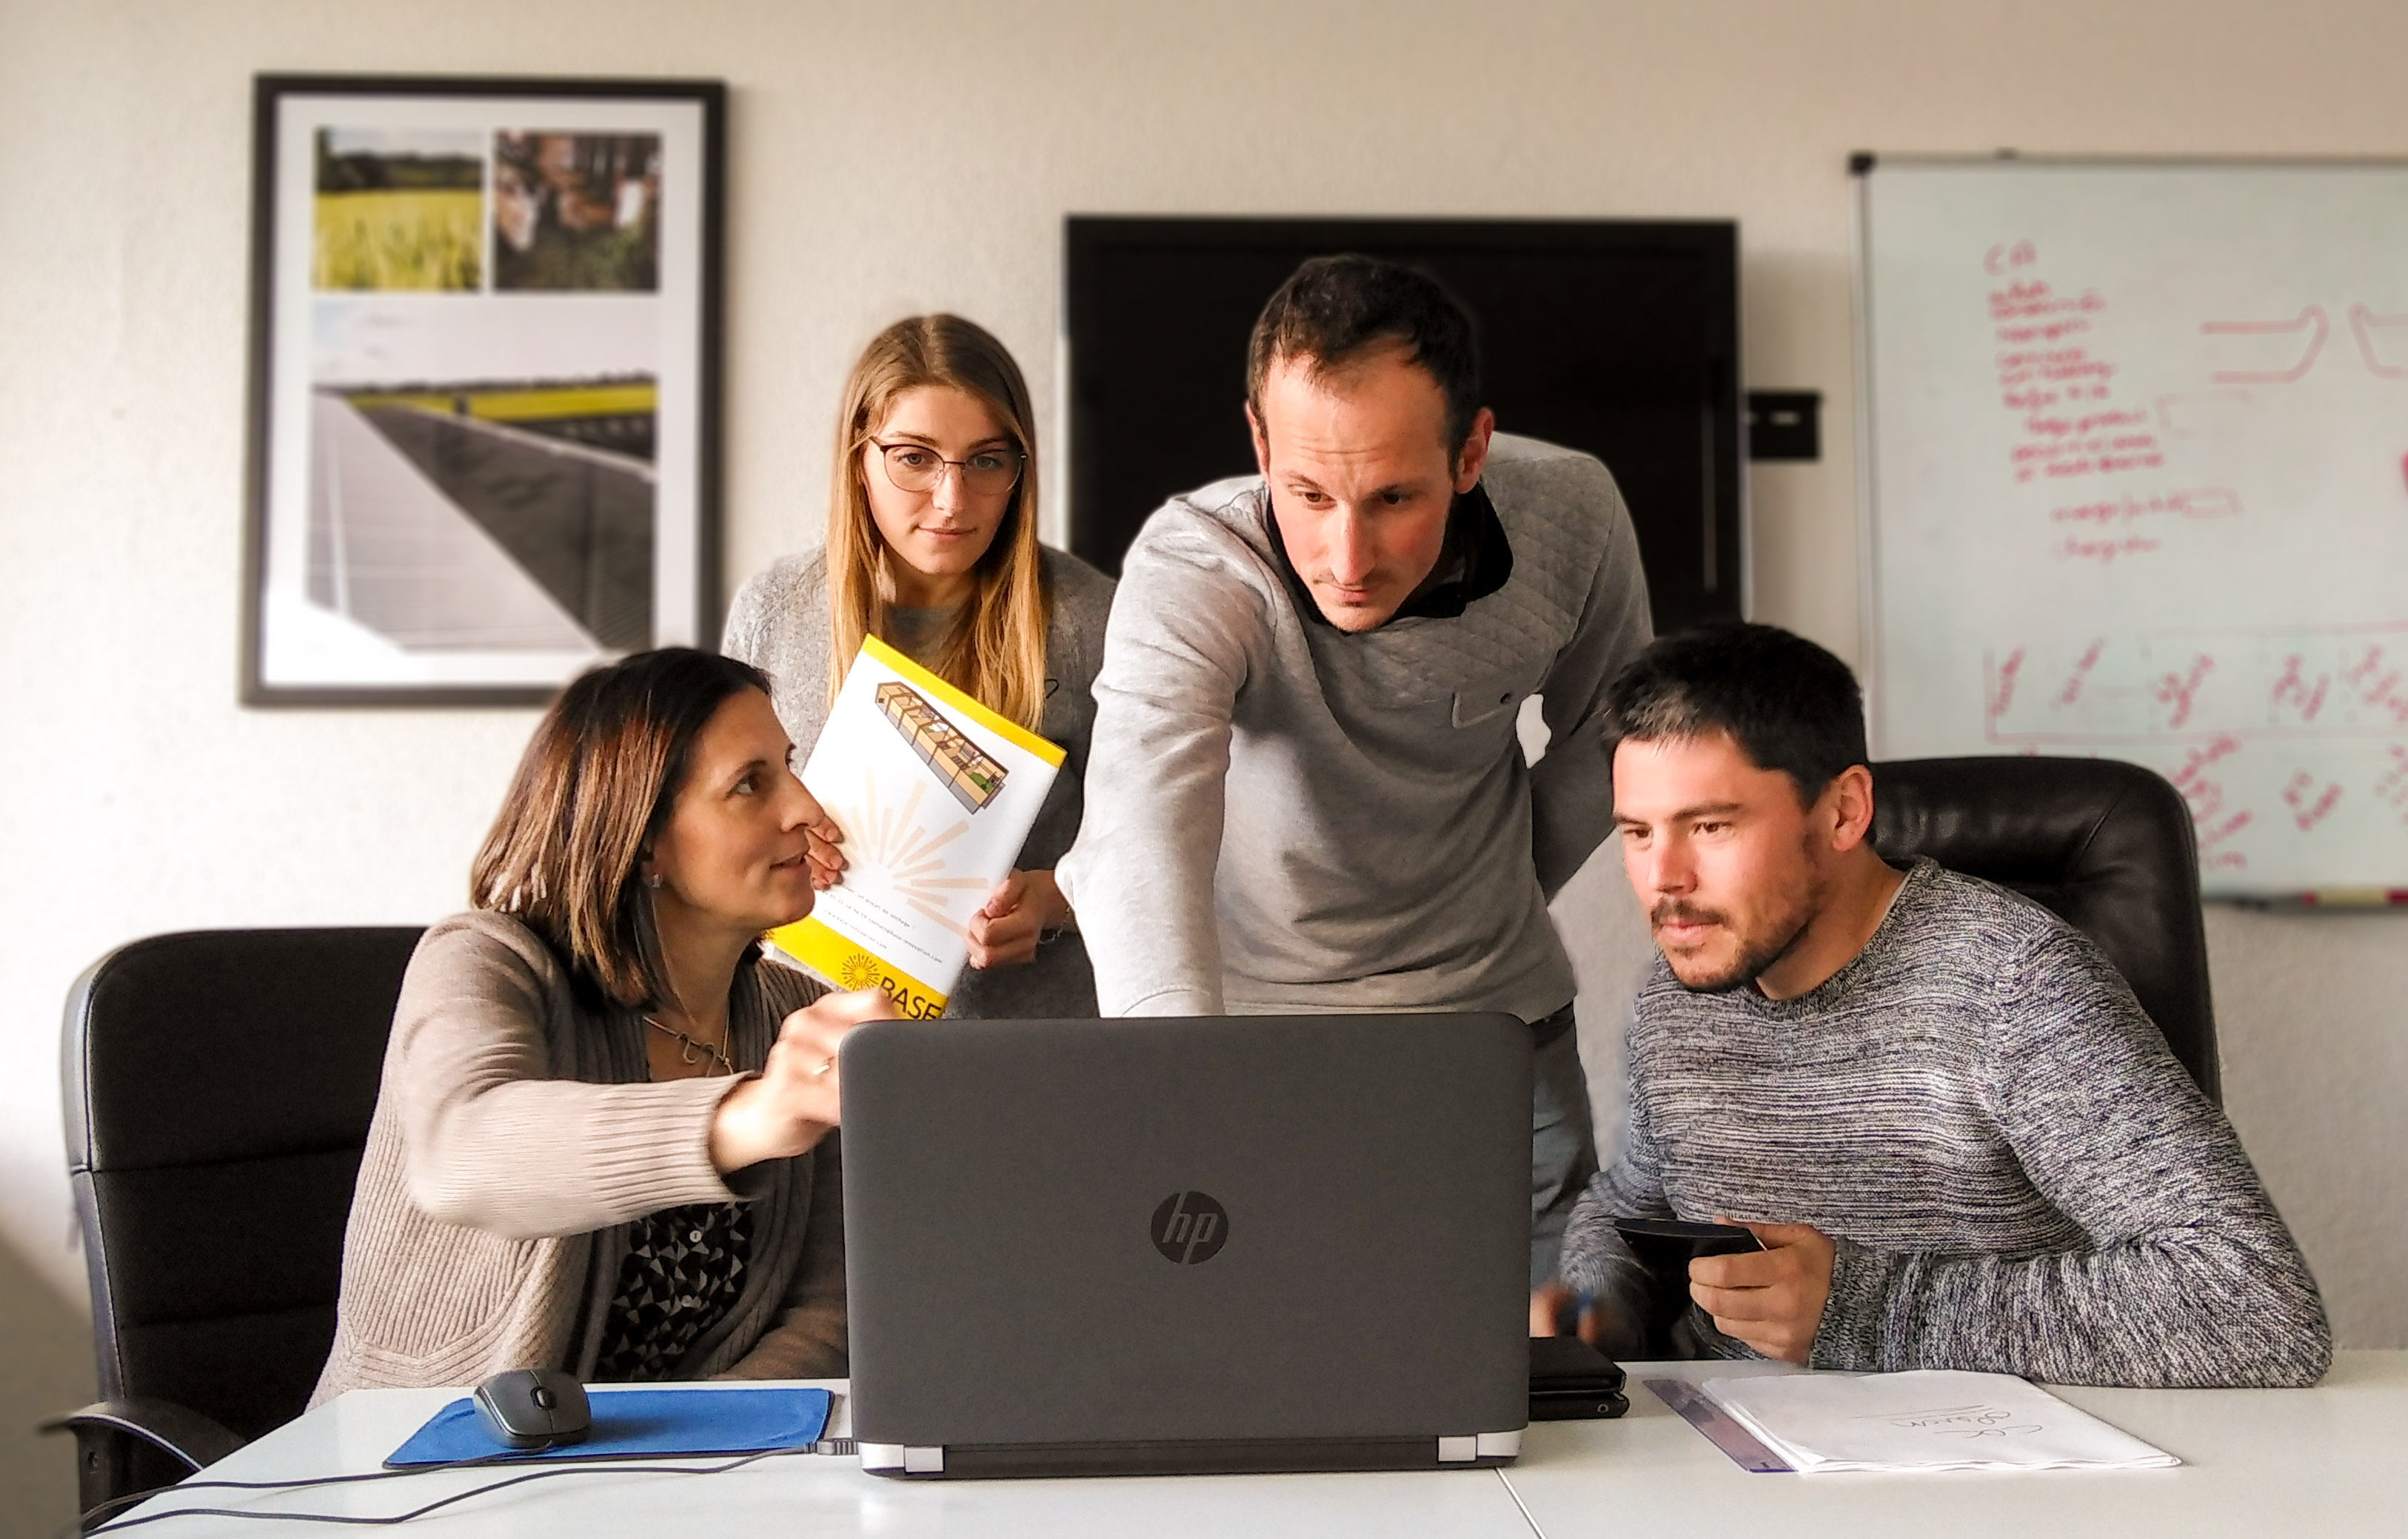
996 649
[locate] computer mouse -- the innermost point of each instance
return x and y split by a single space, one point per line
535 1408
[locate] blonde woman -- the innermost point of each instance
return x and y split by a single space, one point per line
932 548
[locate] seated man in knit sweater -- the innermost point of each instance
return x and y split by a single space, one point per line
1306 791
1941 1111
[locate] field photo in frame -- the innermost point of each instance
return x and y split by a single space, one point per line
485 409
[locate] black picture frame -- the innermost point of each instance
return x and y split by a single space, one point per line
484 395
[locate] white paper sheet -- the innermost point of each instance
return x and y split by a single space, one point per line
1925 1420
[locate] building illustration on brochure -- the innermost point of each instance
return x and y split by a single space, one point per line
974 777
935 793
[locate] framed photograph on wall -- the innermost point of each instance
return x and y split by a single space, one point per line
484 391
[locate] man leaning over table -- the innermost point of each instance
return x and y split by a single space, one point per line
1306 793
1939 1107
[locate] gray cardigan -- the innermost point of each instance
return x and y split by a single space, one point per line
779 624
516 1134
1286 817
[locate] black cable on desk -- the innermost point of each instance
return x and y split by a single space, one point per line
87 1521
573 1466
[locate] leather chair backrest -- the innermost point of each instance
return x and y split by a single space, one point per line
2107 846
219 1086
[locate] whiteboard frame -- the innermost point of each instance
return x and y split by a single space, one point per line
1862 167
1860 170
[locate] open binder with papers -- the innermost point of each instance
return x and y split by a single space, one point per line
1925 1420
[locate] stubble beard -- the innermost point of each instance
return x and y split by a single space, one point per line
1760 950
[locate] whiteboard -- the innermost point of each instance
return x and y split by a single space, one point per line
2136 448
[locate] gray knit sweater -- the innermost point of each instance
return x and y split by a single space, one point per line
2020 1176
516 1133
779 624
1282 816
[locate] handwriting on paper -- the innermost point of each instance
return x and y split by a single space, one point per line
1960 1421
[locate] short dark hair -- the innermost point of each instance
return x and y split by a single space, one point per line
593 790
1335 308
1789 704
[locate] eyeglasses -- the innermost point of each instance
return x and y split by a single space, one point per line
986 472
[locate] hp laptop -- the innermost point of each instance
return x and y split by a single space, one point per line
1188 1245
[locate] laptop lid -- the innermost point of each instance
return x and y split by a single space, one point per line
1183 1245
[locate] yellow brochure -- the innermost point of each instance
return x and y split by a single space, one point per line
936 794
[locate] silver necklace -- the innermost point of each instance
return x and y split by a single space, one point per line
689 1047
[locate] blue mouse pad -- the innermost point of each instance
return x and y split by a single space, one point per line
639 1423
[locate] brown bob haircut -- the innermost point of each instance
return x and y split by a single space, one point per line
995 652
592 792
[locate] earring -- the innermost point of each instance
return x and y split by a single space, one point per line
652 880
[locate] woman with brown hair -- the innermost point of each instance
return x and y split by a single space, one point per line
606 1136
932 548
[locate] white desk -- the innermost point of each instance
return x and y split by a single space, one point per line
816 1495
2257 1462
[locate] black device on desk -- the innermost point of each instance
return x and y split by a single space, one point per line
1570 1380
535 1408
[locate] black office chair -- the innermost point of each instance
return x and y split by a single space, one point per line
219 1086
2107 846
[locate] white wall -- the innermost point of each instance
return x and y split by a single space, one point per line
898 157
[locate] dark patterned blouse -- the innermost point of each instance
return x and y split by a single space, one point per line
684 1271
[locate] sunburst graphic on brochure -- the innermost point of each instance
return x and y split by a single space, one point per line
889 843
860 971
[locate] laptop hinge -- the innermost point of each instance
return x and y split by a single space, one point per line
895 1456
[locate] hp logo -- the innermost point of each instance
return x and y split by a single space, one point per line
1190 1227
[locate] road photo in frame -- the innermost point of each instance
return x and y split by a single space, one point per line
484 384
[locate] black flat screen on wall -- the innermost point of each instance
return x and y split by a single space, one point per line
1619 337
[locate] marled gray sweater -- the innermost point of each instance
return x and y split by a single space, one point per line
1282 816
778 623
2020 1176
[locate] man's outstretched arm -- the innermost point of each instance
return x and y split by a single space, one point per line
1571 786
1141 876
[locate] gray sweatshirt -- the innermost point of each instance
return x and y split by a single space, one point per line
2020 1177
1284 816
778 623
